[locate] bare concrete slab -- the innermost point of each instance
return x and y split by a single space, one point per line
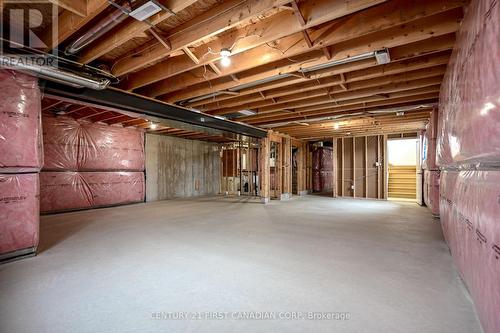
360 265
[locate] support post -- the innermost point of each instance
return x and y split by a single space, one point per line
264 169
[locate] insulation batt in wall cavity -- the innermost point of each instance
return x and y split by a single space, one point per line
322 180
322 165
63 191
19 209
20 135
469 120
428 150
323 159
431 190
83 146
470 212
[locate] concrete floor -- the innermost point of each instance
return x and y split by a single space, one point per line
382 264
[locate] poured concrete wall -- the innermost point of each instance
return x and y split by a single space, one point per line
178 168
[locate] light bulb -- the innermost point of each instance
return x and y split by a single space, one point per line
225 61
336 126
153 126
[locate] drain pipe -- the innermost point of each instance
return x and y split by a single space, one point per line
103 26
53 73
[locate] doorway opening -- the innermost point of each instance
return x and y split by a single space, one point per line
402 160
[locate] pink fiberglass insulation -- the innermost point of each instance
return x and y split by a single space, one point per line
20 109
428 153
469 119
322 159
470 211
64 191
429 144
322 181
431 190
83 146
19 209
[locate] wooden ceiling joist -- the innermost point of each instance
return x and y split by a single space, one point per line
383 73
78 7
403 52
265 31
215 21
300 65
328 110
69 22
319 97
419 30
131 29
437 24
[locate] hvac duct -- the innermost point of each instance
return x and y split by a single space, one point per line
53 73
103 26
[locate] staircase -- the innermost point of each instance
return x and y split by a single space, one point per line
402 182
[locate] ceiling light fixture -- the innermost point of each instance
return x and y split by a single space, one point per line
336 126
225 53
247 112
153 126
145 10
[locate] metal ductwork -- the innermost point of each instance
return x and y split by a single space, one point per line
52 73
103 26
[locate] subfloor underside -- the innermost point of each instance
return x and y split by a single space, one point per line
167 266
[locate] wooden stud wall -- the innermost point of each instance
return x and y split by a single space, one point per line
356 160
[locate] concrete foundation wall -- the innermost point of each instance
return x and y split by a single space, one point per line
179 168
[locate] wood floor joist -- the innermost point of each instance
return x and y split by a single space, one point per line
265 31
333 110
435 25
314 88
294 65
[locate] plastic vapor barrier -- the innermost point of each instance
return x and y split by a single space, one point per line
470 211
469 120
322 165
428 151
19 209
322 159
83 146
64 191
322 181
20 109
431 190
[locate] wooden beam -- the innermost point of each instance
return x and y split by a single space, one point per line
297 13
264 169
191 55
327 53
163 41
130 30
383 75
223 17
214 68
68 22
78 7
318 96
422 29
234 78
329 109
402 52
308 40
267 30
